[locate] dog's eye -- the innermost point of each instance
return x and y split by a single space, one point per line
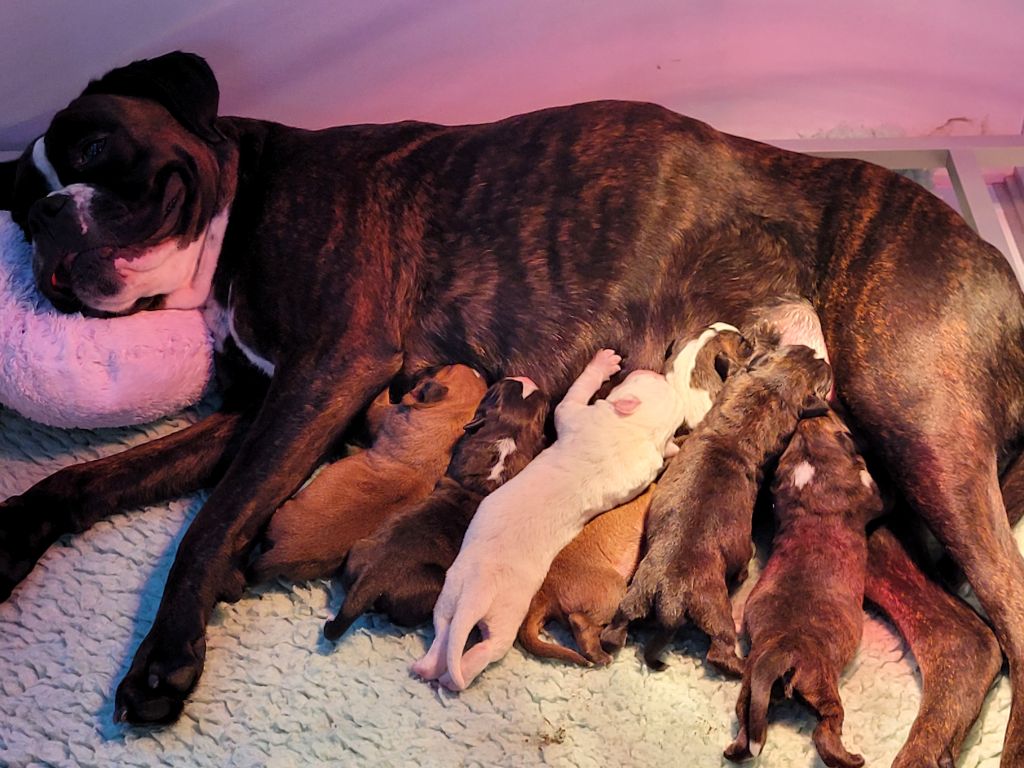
173 204
90 152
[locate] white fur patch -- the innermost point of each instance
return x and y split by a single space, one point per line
182 275
798 323
803 474
81 196
43 165
695 403
865 478
506 447
756 747
260 362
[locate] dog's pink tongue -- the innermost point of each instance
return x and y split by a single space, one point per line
529 387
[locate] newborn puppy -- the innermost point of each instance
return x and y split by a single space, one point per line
399 570
586 582
310 535
804 616
605 454
698 535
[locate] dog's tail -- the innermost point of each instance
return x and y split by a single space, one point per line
764 667
529 633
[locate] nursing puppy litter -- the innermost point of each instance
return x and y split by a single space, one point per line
698 535
399 570
605 454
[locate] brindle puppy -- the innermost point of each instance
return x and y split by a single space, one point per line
804 617
698 535
310 535
399 570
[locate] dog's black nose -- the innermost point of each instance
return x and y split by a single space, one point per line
51 205
45 211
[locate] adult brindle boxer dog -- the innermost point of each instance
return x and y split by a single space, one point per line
336 260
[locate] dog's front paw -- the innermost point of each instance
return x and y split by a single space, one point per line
161 677
29 523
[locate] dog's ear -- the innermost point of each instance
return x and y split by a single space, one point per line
183 83
625 405
8 171
814 406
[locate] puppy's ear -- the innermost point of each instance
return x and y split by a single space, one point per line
764 337
8 172
425 393
474 426
825 379
182 83
814 406
625 405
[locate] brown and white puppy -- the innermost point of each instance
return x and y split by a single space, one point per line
399 570
310 535
698 535
804 617
586 583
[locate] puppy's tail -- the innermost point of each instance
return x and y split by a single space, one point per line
764 667
359 599
529 634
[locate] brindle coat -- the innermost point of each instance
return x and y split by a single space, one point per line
522 246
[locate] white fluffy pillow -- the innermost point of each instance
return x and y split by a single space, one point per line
74 371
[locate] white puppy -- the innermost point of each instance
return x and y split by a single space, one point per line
606 454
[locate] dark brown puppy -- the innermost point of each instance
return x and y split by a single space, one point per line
310 535
399 570
698 535
586 583
804 617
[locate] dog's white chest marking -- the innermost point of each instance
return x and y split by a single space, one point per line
803 474
506 447
221 323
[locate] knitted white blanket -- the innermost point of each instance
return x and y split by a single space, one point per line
276 694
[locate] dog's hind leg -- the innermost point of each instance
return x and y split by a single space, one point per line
956 652
76 497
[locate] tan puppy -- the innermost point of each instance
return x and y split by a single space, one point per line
310 535
586 583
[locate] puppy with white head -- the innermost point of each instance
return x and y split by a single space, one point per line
605 455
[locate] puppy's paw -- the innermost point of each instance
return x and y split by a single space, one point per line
161 677
607 362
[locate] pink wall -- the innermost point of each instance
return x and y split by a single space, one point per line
768 69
